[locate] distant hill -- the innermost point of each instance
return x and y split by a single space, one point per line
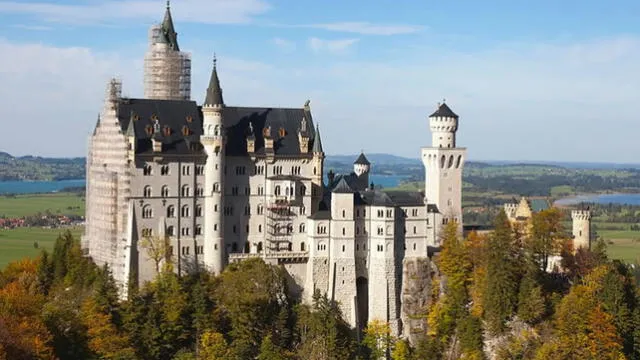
374 158
37 168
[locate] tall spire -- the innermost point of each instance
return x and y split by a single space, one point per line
317 143
214 91
168 29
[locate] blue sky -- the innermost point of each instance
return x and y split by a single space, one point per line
550 80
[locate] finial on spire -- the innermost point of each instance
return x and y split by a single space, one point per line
215 60
444 101
168 4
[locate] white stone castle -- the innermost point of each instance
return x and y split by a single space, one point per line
224 183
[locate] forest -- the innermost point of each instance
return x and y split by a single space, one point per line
38 168
490 298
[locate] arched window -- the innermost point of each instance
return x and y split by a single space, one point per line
147 212
277 192
459 161
171 231
344 231
260 228
198 230
443 159
302 228
147 191
165 191
451 161
198 210
259 247
171 211
302 246
185 211
146 170
290 246
199 190
344 213
186 191
303 190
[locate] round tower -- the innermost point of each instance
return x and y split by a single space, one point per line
213 140
443 124
581 228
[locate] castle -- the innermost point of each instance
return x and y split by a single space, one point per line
224 183
521 213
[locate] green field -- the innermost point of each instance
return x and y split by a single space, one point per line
25 205
19 243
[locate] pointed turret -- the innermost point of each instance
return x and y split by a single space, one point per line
317 143
131 131
214 91
168 29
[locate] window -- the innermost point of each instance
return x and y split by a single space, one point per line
146 170
303 210
185 250
302 228
235 229
357 230
380 247
247 229
165 191
389 213
380 231
234 247
380 213
260 190
240 170
260 210
147 191
198 230
147 212
171 211
164 170
228 210
344 231
322 229
234 190
415 231
247 210
171 231
185 231
198 210
186 191
303 190
247 191
277 192
199 190
186 169
199 250
259 228
343 249
146 232
344 213
414 212
260 247
200 170
185 212
414 246
364 212
216 187
302 246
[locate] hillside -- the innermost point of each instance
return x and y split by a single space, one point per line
40 168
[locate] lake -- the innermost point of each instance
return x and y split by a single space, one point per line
629 199
31 187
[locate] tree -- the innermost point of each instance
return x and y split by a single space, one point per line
157 249
547 236
105 339
401 350
213 346
378 339
269 350
501 293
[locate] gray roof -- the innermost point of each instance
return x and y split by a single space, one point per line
342 187
444 111
237 120
317 142
321 215
362 160
180 124
169 31
214 91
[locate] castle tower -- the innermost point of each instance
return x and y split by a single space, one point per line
342 271
443 163
213 140
362 167
318 164
167 70
581 228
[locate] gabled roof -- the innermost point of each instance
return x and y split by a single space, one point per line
283 122
342 187
180 124
214 91
444 111
362 160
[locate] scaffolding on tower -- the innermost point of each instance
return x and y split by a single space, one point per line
279 226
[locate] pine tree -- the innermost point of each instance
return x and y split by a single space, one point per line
501 294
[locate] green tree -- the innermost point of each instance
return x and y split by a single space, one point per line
501 294
269 350
378 339
547 236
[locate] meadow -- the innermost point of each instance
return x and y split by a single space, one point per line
32 204
20 242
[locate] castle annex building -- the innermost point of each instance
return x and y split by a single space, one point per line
224 183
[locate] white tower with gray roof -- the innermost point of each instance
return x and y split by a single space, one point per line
443 163
213 141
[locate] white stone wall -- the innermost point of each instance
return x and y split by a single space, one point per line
581 228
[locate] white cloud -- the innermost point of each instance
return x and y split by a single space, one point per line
571 101
284 44
32 27
367 28
332 46
107 11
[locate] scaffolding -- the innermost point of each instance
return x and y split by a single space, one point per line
167 72
279 227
